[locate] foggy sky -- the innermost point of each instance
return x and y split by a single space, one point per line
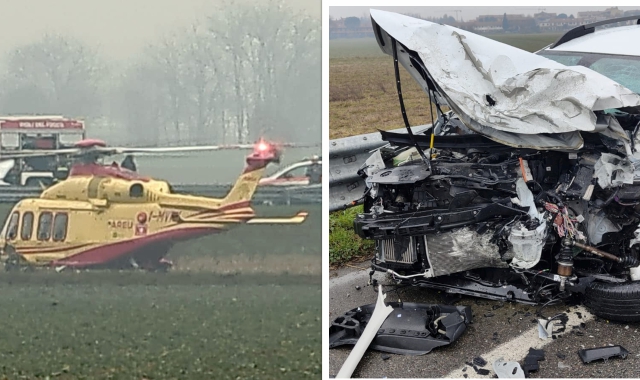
117 28
467 13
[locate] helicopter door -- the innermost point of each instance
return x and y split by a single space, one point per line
51 230
53 227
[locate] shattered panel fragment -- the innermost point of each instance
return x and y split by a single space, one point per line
410 329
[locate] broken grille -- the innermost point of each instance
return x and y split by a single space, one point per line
386 252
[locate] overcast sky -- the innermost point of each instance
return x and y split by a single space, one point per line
119 28
467 12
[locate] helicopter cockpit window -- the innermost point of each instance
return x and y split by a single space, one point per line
27 226
44 226
60 227
136 190
12 229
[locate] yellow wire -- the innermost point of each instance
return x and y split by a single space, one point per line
433 156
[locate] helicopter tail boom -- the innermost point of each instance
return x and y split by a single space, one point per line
244 188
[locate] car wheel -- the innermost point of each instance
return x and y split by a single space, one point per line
615 302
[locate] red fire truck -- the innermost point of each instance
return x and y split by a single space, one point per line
35 132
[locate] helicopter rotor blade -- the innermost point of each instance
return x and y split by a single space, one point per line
176 149
200 148
28 153
107 150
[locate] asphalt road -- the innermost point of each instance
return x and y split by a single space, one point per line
509 334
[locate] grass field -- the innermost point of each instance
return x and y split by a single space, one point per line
362 91
148 326
238 305
344 245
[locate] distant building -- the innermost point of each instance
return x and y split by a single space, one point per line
560 24
595 16
516 23
544 16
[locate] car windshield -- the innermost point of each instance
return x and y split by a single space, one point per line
620 68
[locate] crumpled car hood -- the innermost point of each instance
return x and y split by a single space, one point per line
507 94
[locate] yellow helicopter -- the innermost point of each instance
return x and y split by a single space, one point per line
111 217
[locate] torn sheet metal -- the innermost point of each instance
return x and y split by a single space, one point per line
411 329
377 316
613 171
604 353
508 94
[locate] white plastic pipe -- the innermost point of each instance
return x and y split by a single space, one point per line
380 314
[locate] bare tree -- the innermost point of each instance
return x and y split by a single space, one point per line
247 71
269 47
137 104
54 75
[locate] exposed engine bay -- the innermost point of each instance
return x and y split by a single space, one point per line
515 224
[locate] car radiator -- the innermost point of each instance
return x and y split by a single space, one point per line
387 253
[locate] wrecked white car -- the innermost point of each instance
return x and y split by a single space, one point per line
528 190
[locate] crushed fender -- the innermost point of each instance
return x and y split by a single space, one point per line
411 329
591 354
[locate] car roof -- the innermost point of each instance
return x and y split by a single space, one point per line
614 41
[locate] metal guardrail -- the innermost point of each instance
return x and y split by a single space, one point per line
346 156
289 195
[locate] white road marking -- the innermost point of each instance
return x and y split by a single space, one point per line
348 277
516 349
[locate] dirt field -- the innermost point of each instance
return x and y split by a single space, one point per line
362 91
238 305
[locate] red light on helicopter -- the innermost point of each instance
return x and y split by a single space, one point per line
142 217
262 146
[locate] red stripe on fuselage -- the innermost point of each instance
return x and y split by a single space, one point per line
222 209
230 206
107 253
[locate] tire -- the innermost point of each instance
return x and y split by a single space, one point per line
615 302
